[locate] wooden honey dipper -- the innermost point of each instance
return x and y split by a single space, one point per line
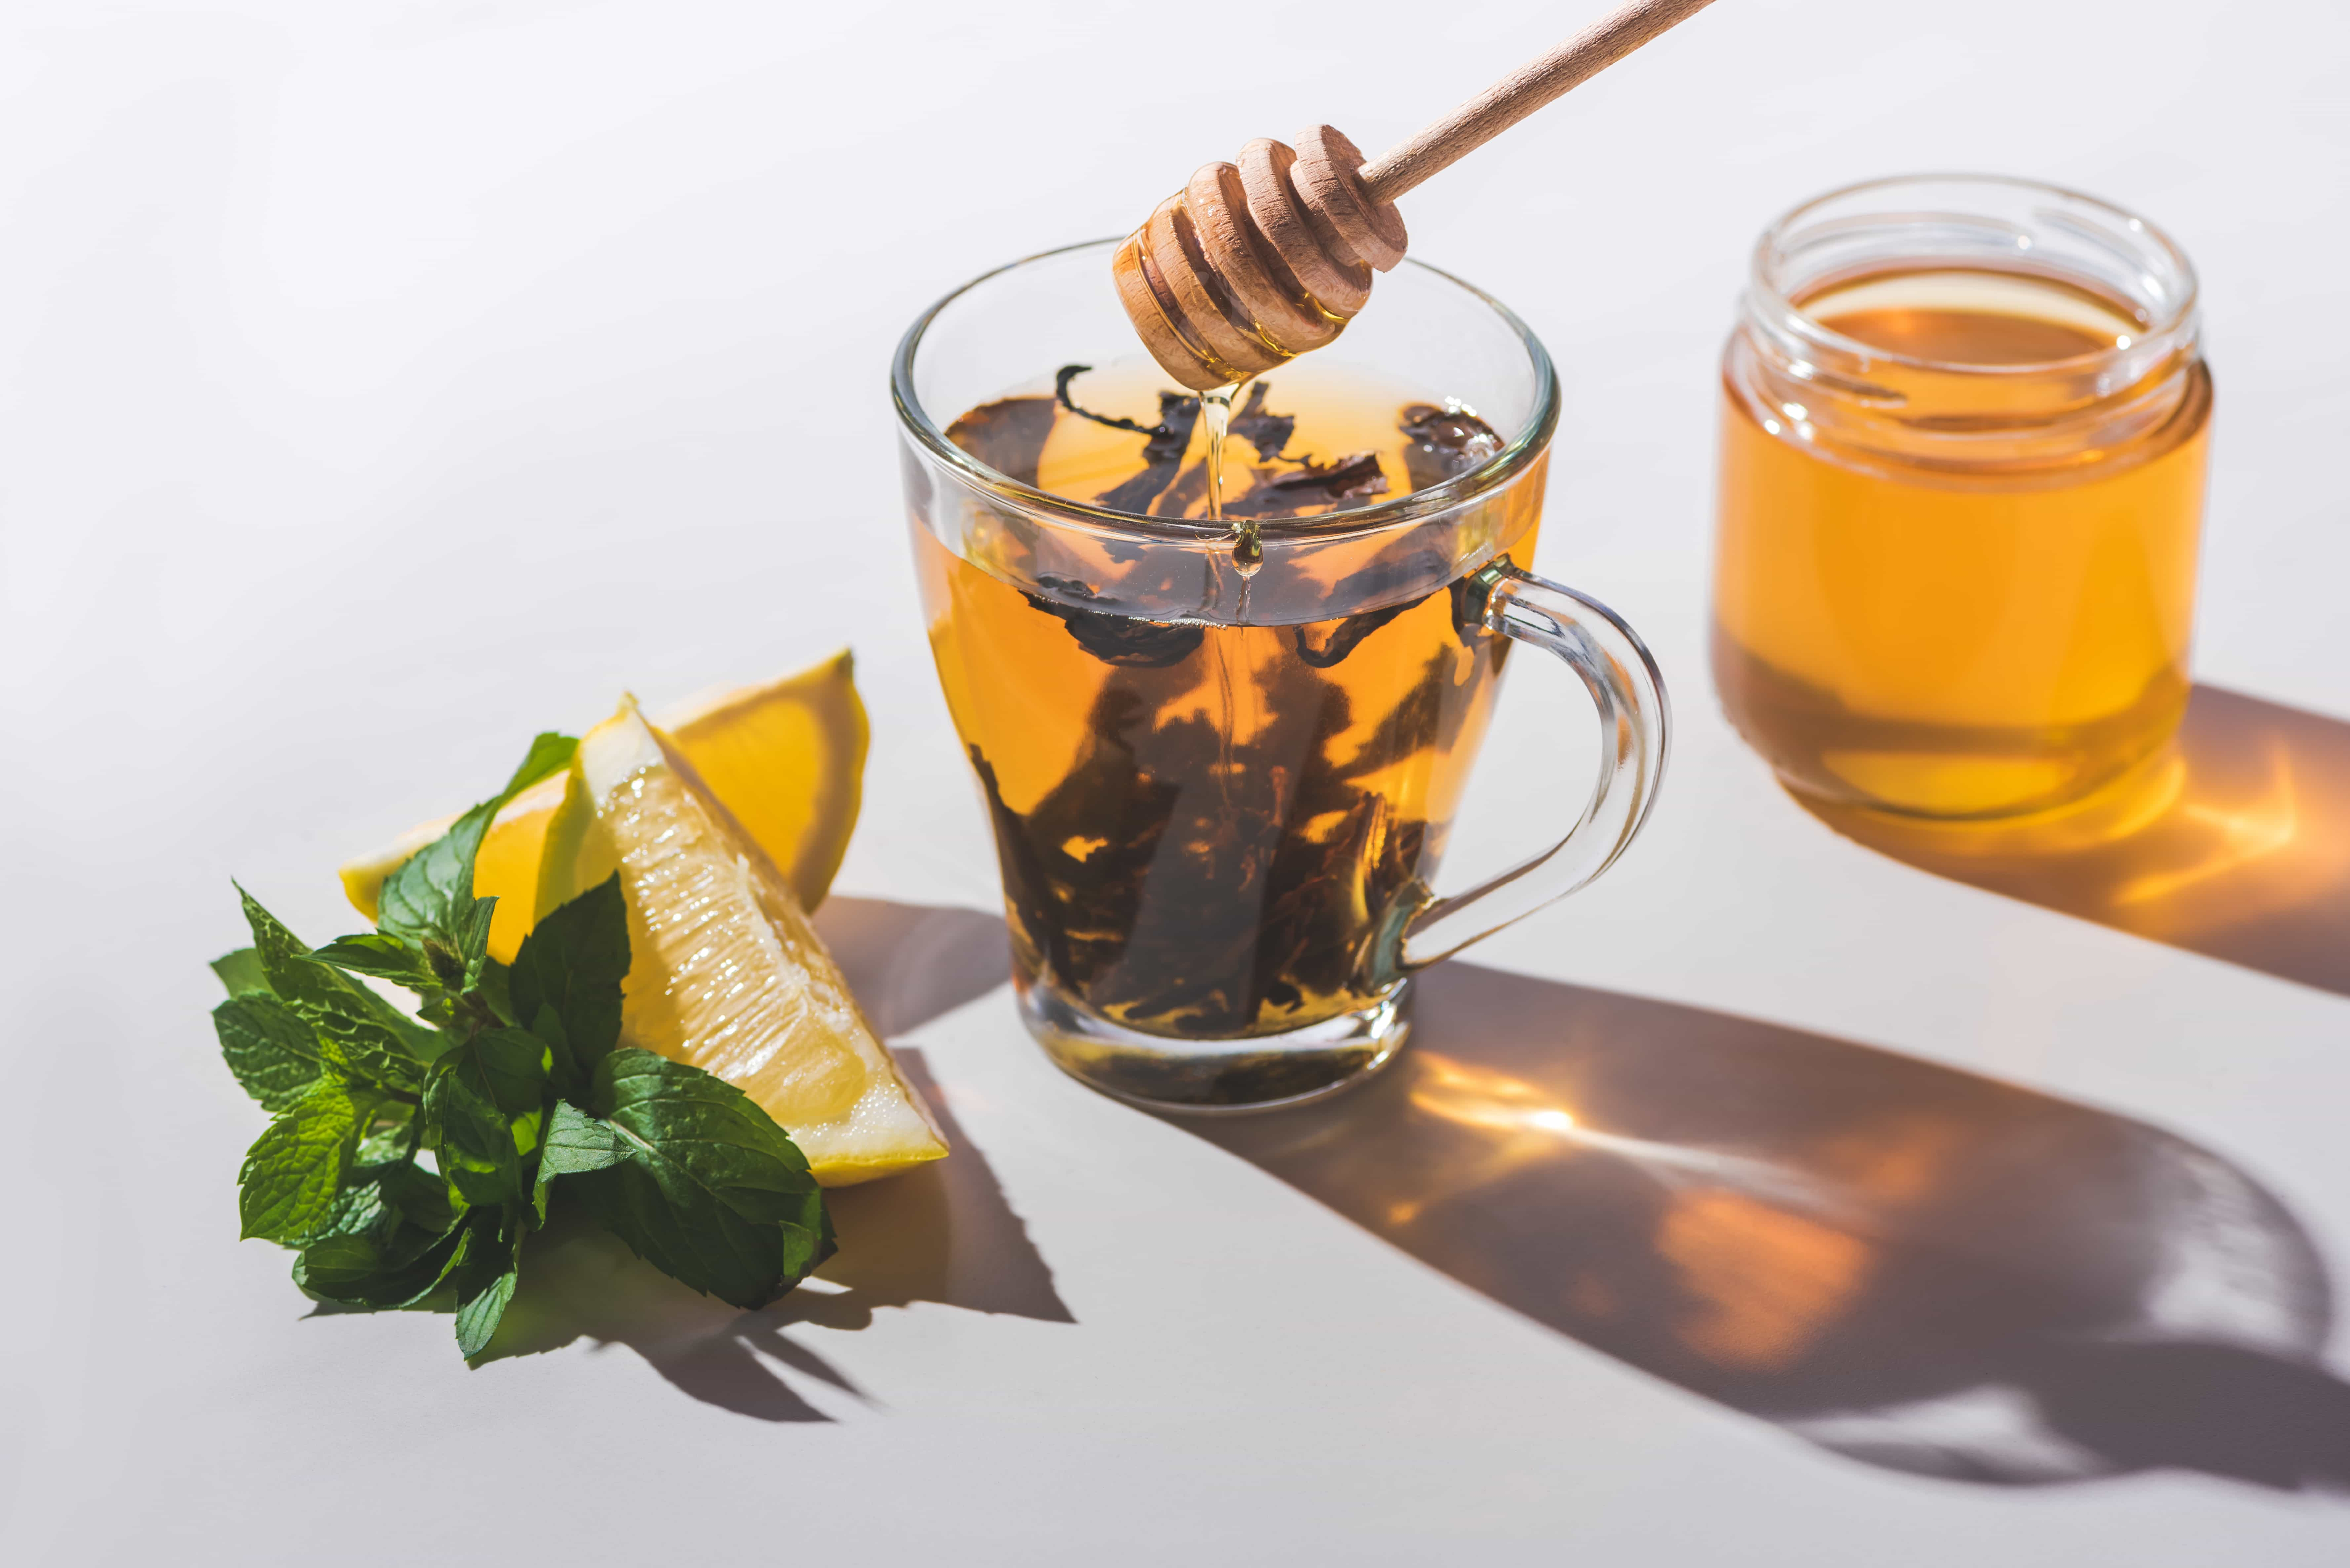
1253 263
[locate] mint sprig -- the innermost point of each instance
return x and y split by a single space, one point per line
409 1158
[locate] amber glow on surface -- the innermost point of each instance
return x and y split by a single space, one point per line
1527 1126
1523 1125
2235 845
2245 832
1482 1097
1898 1261
1769 1254
1766 1283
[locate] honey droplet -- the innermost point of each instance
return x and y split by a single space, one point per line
1248 550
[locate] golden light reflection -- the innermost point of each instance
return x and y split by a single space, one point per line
1534 1127
1482 1097
1765 1283
1769 1254
2237 845
1893 1160
2245 833
1531 1127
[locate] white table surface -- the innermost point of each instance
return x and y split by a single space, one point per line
381 383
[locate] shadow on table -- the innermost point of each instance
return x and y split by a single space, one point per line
1903 1264
2237 846
939 1233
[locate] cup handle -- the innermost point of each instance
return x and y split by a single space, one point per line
1634 723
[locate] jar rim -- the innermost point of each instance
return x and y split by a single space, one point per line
1521 452
1767 294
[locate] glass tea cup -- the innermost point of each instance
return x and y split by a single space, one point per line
1220 770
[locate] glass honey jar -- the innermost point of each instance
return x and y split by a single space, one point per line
1964 426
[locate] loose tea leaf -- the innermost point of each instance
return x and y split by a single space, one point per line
1441 442
1355 478
1069 373
1163 445
1162 455
1118 639
1444 443
1269 433
1253 920
1326 643
1007 435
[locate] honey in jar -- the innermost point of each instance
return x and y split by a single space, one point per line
1963 438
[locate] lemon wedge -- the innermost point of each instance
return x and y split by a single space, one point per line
724 972
787 757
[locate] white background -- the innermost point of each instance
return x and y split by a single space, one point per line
381 383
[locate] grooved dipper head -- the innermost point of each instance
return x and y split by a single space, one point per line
1255 263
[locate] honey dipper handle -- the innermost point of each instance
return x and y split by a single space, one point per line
1519 94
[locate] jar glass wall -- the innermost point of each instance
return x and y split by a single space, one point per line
1964 433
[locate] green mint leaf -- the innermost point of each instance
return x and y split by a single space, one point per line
374 1272
392 1235
358 1208
486 1279
478 1314
569 972
475 1144
447 968
563 1070
431 893
485 1100
711 1191
382 1242
337 1263
386 957
493 987
549 753
241 972
386 1140
510 1066
367 1033
294 1170
421 899
474 938
577 1143
420 1198
380 1195
274 1053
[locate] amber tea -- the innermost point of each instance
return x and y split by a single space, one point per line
1199 825
1219 664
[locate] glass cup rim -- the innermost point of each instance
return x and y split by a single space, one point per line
1522 451
1767 294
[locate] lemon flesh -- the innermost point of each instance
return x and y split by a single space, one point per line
787 757
724 972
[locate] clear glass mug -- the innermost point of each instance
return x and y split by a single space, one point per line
1954 576
1219 787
